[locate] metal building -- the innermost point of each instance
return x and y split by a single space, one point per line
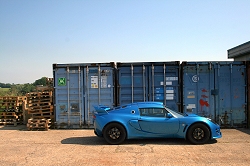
240 53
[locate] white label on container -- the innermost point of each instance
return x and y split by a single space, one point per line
169 91
169 83
94 81
169 96
189 106
161 83
191 93
195 78
104 82
172 78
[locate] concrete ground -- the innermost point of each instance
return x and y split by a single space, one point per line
81 147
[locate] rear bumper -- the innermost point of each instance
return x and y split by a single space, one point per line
97 131
97 134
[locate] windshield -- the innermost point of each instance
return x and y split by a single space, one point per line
174 113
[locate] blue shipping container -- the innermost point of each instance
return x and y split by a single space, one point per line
149 81
79 87
216 90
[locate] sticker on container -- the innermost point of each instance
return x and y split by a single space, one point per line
104 82
94 81
169 96
169 90
191 95
62 81
72 71
172 78
195 78
190 106
169 83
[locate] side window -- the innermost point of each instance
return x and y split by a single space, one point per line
153 112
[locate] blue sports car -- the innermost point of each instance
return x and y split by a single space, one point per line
151 120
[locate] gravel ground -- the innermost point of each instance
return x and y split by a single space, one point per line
81 147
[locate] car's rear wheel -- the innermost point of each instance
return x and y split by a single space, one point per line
198 134
114 133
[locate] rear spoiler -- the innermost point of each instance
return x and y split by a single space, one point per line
101 109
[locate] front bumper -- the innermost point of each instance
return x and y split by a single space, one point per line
216 133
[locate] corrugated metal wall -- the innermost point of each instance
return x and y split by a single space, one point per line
78 87
217 90
158 81
248 94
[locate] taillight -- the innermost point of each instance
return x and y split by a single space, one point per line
94 116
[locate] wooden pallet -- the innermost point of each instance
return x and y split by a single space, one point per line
36 114
41 107
40 103
6 122
33 120
10 102
7 113
8 116
39 94
9 110
9 98
40 111
43 117
39 100
9 123
38 124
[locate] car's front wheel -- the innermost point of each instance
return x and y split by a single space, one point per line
198 134
114 133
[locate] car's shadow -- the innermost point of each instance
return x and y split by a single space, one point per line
93 140
244 130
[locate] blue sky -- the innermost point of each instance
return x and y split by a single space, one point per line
34 34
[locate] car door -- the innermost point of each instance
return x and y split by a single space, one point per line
155 120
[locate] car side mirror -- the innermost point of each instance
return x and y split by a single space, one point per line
169 115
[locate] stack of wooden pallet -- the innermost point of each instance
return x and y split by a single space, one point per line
40 109
37 124
11 110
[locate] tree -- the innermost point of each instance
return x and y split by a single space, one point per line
26 88
2 85
41 81
21 89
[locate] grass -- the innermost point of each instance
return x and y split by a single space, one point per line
4 89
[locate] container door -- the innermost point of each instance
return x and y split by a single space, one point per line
198 82
231 97
164 84
99 89
131 83
68 97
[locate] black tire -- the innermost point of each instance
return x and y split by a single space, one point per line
114 133
198 134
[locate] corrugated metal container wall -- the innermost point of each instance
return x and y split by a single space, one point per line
78 87
158 81
215 90
248 94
